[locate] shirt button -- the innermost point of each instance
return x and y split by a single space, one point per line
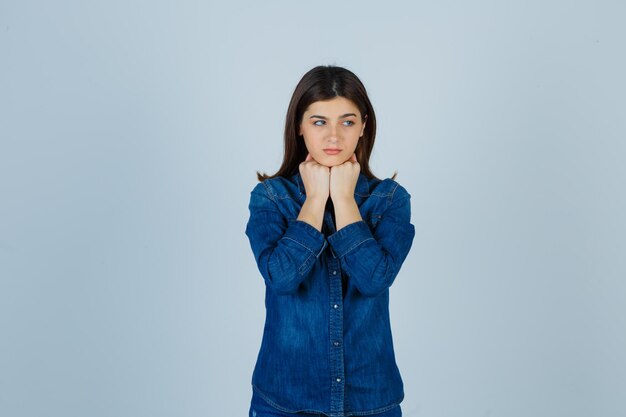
334 272
338 379
336 306
336 343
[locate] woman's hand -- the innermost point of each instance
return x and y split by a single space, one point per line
316 179
343 179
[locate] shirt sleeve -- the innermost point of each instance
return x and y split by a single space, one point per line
373 259
285 250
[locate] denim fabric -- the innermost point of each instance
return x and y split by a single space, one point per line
327 345
260 408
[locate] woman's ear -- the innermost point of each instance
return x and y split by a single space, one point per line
363 129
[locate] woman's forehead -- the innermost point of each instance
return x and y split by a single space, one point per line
337 106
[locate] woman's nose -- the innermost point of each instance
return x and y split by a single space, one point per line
333 134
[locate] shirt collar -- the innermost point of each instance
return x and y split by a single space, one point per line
361 189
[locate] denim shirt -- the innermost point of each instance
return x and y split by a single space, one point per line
327 344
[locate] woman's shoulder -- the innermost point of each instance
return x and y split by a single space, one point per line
278 187
388 187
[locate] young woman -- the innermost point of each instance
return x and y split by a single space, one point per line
329 239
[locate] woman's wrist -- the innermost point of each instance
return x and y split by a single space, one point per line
346 211
312 212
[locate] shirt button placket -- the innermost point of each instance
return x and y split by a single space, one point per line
336 336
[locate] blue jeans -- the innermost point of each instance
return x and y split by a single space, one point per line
260 408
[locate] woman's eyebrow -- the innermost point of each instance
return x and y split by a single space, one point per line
340 117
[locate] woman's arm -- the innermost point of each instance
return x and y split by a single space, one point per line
285 250
312 212
346 211
373 261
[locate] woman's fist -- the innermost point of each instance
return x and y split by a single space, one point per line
316 179
343 179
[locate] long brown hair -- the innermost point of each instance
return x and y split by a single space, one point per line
325 82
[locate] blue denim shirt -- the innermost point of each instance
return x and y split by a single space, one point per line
327 344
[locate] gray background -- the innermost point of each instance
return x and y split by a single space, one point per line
130 135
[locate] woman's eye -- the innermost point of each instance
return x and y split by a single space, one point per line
322 121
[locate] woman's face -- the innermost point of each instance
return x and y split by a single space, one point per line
331 130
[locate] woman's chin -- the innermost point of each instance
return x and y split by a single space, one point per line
330 161
331 164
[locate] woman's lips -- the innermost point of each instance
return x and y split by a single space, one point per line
332 151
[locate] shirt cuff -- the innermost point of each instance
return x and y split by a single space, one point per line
349 237
306 235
